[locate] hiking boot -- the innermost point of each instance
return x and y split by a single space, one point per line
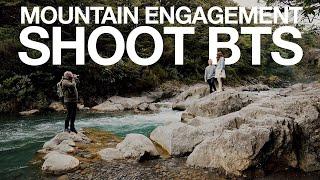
67 130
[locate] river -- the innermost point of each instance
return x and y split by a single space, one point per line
21 137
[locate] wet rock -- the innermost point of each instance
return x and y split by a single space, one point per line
177 138
57 163
29 113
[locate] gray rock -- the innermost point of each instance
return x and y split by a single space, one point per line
64 141
218 104
177 138
143 106
255 87
108 106
110 154
66 146
135 146
233 151
152 107
57 163
130 103
291 122
189 96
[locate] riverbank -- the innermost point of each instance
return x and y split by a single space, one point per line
165 167
252 131
22 136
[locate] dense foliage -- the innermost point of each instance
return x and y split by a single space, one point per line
23 87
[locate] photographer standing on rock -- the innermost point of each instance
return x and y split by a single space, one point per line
209 75
70 97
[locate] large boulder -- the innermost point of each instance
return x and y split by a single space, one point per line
277 128
137 145
177 138
218 104
233 151
189 96
134 146
57 163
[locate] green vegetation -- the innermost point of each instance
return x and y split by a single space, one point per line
23 87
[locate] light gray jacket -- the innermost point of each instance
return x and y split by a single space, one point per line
209 72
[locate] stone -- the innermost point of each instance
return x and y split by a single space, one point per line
255 87
152 107
57 163
130 103
143 106
275 127
232 151
66 146
134 146
189 96
108 106
137 146
29 113
177 138
65 141
57 106
63 177
110 154
218 104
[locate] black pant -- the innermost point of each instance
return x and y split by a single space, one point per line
211 83
71 116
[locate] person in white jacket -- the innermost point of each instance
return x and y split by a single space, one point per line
220 73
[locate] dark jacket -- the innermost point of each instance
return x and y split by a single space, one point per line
69 88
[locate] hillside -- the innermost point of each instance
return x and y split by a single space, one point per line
25 87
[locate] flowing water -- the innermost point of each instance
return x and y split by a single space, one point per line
21 137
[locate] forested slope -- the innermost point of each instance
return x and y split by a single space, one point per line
23 87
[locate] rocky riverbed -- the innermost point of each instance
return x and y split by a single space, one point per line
248 131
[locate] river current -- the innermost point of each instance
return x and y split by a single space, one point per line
21 137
